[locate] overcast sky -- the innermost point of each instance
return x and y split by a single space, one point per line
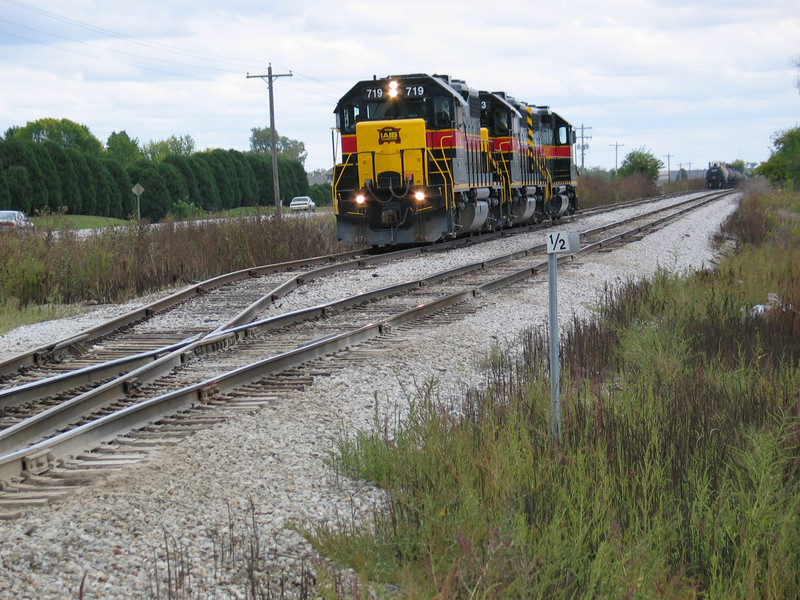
698 80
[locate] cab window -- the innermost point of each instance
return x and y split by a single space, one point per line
442 118
547 135
350 116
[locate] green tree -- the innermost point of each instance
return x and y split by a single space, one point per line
739 165
19 188
231 177
261 165
88 198
223 175
172 146
61 131
641 161
122 203
70 186
50 179
17 152
5 193
261 142
321 193
209 199
300 179
248 185
291 175
103 185
184 165
783 165
287 177
175 182
122 148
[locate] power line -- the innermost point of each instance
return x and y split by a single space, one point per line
231 65
107 49
233 62
119 62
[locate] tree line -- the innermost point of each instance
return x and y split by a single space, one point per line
56 165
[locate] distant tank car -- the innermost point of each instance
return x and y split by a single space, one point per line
722 175
427 157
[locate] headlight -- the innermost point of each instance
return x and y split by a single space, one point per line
392 89
419 195
360 199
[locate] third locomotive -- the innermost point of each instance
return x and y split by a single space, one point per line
426 157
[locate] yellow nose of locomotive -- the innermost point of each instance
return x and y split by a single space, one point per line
391 151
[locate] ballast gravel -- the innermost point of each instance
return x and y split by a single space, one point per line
183 506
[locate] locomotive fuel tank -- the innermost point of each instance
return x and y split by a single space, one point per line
472 215
559 204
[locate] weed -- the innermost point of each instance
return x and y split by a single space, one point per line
678 476
117 264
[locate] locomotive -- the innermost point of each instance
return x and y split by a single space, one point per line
427 158
722 175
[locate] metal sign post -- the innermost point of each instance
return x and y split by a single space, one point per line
138 189
557 242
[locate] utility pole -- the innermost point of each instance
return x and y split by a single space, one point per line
584 146
275 182
616 146
669 170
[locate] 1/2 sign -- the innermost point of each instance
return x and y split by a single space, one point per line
562 241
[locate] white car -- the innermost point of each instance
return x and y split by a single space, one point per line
14 219
302 204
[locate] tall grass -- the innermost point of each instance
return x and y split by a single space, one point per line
597 191
109 265
678 473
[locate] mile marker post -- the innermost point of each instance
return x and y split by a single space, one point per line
557 242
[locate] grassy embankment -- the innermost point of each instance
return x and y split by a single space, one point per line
679 471
58 270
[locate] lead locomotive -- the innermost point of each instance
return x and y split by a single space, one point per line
426 157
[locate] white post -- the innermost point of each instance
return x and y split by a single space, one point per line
557 242
555 363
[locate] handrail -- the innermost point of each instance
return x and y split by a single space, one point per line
446 174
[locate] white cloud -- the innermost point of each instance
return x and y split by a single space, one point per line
700 81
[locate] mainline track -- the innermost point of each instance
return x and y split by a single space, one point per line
136 400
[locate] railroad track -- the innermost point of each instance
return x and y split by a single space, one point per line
141 330
180 395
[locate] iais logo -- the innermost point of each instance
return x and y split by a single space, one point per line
389 135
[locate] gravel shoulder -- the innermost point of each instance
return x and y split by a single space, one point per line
114 531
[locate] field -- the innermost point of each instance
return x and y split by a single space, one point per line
68 265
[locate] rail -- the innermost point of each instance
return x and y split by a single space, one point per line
13 464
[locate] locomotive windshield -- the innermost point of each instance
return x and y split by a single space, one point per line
437 111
